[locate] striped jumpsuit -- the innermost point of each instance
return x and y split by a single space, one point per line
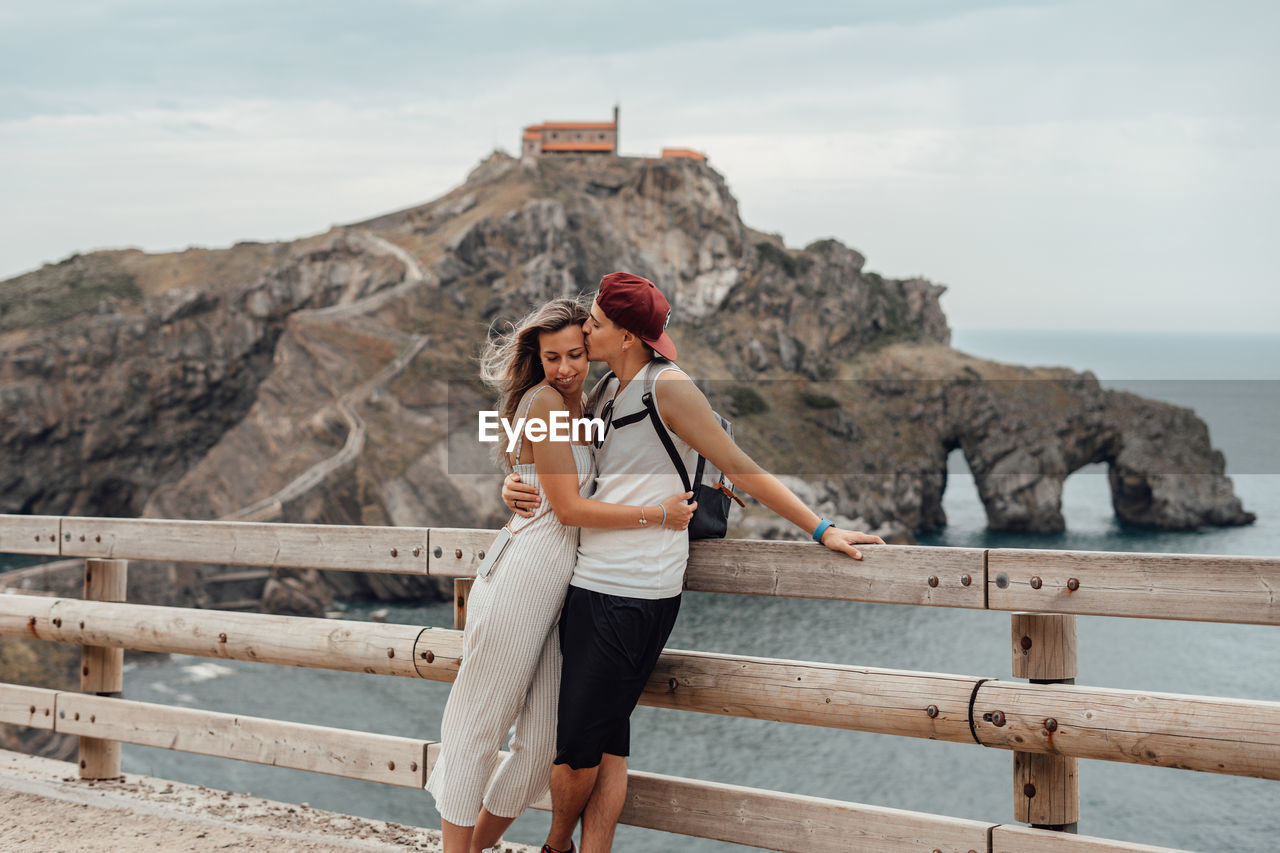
510 670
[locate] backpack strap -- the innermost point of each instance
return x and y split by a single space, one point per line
665 436
594 397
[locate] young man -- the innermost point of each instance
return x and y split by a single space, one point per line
625 592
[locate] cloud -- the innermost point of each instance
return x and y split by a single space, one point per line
1073 154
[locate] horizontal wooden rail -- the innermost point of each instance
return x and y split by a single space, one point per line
338 752
1237 737
242 543
1151 586
1232 736
1022 839
30 534
27 706
373 647
885 701
1186 587
890 574
776 821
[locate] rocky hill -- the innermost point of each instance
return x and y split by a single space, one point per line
313 381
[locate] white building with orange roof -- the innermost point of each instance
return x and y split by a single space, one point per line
571 137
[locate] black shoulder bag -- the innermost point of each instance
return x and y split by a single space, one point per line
711 489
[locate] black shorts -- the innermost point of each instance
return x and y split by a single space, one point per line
611 645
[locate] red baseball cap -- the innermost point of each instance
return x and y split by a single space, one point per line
636 304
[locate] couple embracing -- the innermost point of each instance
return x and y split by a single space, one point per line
565 628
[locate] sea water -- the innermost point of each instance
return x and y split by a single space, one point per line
1231 383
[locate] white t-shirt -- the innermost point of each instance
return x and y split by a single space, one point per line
632 467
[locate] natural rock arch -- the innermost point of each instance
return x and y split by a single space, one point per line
1022 439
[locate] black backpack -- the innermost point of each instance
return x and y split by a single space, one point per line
711 489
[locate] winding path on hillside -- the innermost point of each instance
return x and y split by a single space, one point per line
271 507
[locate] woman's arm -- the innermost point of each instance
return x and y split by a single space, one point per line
559 477
688 414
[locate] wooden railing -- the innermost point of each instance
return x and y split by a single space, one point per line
1047 722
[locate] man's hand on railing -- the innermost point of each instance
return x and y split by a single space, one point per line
843 541
520 498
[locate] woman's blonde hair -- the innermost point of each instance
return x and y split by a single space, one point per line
511 362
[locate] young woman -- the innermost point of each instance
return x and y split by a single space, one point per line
510 671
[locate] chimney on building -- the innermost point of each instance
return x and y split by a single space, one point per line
616 130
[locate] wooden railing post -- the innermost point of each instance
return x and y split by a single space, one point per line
101 668
461 592
1046 787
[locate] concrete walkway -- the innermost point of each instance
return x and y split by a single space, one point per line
45 808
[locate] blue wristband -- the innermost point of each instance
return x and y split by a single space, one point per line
819 530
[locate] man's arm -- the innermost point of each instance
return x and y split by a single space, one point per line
520 498
687 413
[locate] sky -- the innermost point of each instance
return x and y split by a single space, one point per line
1058 165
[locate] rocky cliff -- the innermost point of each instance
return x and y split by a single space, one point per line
310 381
